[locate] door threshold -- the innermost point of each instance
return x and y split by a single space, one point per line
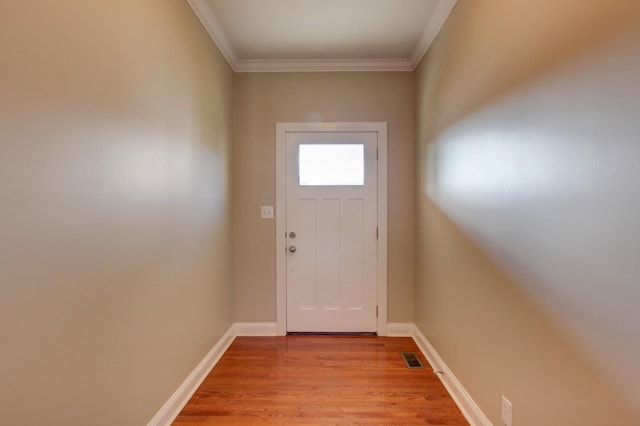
331 333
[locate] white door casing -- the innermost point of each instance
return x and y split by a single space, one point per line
335 281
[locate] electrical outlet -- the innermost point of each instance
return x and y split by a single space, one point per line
507 412
266 212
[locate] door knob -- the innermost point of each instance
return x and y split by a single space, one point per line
292 249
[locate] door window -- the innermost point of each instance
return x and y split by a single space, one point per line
331 165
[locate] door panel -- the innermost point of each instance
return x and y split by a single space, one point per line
353 267
332 274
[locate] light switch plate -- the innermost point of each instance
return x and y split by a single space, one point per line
266 212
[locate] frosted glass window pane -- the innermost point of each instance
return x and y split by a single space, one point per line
335 164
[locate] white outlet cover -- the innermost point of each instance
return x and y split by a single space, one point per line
507 412
266 212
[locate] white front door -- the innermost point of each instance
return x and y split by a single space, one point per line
331 231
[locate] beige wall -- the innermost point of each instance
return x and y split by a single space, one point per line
115 224
264 99
528 207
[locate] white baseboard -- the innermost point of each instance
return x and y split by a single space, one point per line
255 329
463 400
400 329
181 396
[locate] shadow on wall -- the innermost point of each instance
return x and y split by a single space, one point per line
544 180
496 338
489 65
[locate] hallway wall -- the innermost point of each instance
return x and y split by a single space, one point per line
529 207
115 224
266 98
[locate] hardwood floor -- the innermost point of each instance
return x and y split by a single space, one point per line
320 380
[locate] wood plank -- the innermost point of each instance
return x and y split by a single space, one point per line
320 380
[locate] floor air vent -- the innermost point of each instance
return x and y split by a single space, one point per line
411 359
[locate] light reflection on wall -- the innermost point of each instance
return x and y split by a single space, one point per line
483 167
154 169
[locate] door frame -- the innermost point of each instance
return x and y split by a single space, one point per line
281 212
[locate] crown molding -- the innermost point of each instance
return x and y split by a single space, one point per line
434 24
440 13
323 65
213 27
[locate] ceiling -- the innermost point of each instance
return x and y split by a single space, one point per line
322 35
